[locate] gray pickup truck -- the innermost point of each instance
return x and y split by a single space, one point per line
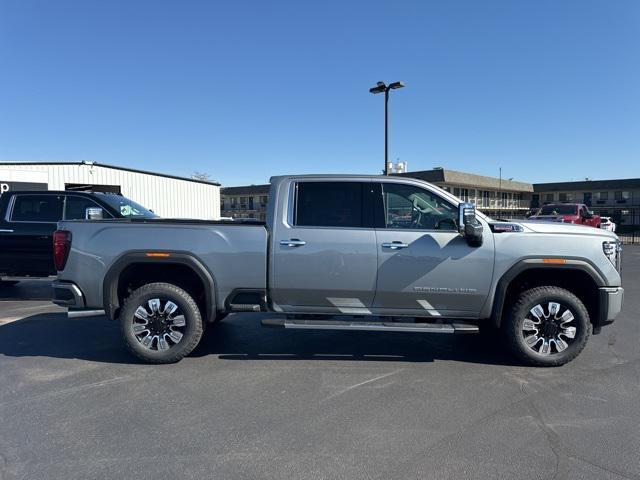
346 253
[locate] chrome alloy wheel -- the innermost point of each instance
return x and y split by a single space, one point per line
549 332
158 327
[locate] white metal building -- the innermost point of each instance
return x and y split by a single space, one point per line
168 196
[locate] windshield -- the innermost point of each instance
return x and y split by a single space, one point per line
127 208
558 210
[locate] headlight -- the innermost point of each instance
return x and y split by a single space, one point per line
613 251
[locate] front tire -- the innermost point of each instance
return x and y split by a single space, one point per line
161 323
547 326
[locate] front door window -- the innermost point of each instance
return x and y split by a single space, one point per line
410 207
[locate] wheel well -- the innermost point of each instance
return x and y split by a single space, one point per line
576 281
136 275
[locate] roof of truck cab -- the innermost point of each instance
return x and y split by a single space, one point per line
58 192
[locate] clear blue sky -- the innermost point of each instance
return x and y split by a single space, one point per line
549 90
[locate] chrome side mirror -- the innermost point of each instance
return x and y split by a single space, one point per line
94 213
468 224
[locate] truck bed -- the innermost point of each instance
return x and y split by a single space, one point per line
235 253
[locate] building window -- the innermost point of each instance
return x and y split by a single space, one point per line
601 196
263 201
464 194
548 197
565 197
485 198
622 197
250 203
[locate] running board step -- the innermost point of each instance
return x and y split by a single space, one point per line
456 327
248 307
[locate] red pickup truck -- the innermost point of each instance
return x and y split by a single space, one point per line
577 213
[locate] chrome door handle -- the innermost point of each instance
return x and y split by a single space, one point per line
394 245
5 230
294 242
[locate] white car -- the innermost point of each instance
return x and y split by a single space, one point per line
607 224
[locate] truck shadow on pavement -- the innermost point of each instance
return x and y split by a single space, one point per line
242 338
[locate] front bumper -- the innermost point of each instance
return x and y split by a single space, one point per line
610 304
67 294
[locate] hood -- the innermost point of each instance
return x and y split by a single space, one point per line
567 228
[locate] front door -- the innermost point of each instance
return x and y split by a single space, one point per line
425 267
324 253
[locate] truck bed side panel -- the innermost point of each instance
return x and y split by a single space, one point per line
235 255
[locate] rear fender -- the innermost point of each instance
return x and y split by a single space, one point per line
111 301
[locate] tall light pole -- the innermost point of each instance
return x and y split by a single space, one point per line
381 87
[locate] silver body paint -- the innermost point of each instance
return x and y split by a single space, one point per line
338 270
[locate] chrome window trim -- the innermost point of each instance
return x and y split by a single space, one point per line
293 198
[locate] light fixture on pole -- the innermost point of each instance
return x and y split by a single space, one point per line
381 87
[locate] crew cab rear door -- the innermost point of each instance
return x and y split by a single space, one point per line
26 236
425 267
324 254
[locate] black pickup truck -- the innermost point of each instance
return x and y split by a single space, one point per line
28 220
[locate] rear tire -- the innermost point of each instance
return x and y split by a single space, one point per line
161 323
547 327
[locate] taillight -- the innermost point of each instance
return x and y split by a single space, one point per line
61 247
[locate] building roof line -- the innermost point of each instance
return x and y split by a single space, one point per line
115 167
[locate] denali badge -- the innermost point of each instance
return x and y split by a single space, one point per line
445 290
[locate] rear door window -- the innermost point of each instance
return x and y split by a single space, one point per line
37 208
329 204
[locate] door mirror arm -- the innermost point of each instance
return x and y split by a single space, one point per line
468 224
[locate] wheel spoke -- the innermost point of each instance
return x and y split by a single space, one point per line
554 308
560 344
154 305
566 317
532 340
178 321
530 325
148 340
175 336
569 332
169 308
546 347
139 329
538 312
142 314
162 343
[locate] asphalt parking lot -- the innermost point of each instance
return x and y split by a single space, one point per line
259 403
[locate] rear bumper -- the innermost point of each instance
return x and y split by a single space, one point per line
67 294
610 304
